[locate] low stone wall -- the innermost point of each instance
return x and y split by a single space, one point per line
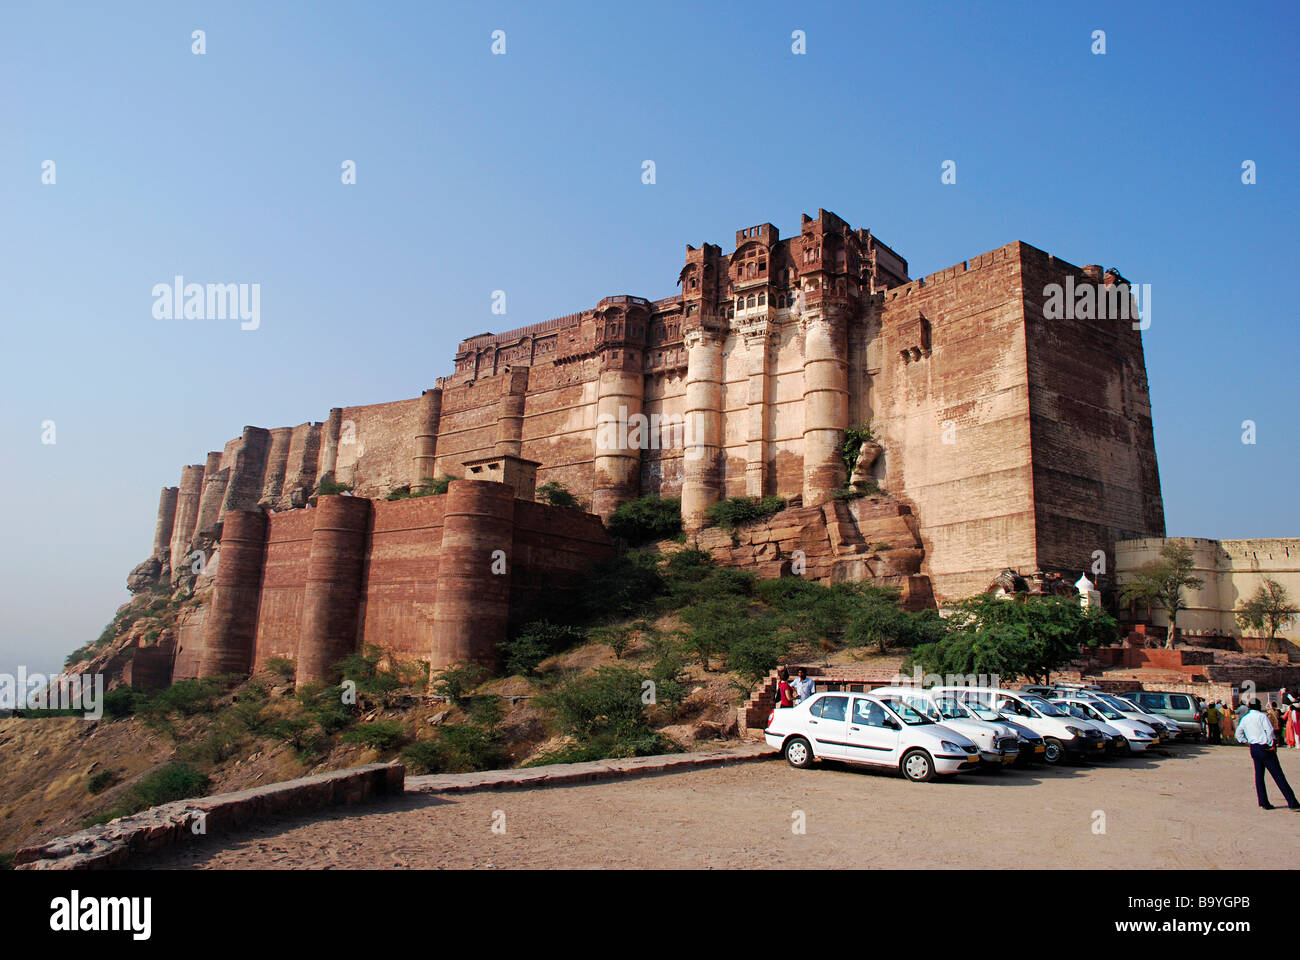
114 843
567 774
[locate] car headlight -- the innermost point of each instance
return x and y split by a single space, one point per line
951 747
1073 731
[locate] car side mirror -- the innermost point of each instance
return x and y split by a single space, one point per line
891 723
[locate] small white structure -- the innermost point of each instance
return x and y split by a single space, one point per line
1089 595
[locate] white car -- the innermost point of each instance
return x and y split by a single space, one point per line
1137 736
1167 728
1062 734
868 729
999 744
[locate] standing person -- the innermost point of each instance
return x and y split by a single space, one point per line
1212 721
804 687
1255 730
1275 720
1293 725
1227 726
784 692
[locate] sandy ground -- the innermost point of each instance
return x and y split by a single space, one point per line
1194 807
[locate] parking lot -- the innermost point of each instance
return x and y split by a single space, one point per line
1194 807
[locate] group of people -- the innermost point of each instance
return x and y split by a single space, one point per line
789 692
1283 715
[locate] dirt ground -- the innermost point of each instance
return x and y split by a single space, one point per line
1193 807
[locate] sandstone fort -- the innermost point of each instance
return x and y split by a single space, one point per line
1002 439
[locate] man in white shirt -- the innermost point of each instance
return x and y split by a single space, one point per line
1256 730
804 687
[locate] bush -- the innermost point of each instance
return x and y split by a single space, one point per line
534 643
328 488
175 781
624 587
384 735
121 702
101 781
324 707
618 637
455 748
556 494
187 697
364 670
646 520
428 487
735 511
487 710
282 667
605 703
452 683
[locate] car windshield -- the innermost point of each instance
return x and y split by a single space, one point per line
1119 704
905 713
1107 711
983 712
1043 707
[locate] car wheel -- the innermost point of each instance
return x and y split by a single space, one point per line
917 766
798 752
1053 752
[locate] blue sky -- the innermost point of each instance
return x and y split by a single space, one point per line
522 172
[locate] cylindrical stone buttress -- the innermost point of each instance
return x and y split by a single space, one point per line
826 409
329 446
472 610
701 469
332 594
187 513
621 434
230 627
426 437
162 531
510 425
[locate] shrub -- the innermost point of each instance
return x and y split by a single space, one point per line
428 487
623 587
187 697
534 643
101 781
363 669
606 702
174 781
384 735
324 706
735 511
646 520
453 682
328 488
487 710
556 494
121 702
618 637
455 748
281 667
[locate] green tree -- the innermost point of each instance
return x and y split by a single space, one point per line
556 494
1269 608
647 519
1161 582
1021 637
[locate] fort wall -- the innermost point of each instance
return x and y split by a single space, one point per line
1016 440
